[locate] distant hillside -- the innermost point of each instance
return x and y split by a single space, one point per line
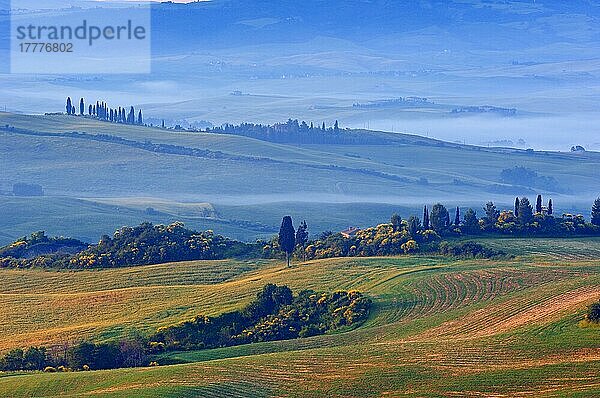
249 183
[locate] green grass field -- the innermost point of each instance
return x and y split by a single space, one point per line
439 327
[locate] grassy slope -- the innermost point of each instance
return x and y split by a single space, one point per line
439 327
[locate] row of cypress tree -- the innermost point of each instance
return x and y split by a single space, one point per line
101 111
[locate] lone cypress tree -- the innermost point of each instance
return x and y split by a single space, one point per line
425 218
525 212
336 126
596 213
69 105
517 207
457 217
538 204
550 208
287 237
302 238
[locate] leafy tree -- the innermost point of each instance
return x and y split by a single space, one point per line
34 358
69 106
13 360
596 213
457 217
287 237
396 222
525 212
439 217
414 224
550 208
471 222
538 204
302 237
491 215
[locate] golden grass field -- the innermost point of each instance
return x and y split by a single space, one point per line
439 327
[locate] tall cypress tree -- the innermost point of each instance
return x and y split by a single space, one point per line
287 237
90 110
425 218
538 204
81 107
69 105
302 238
131 117
517 207
457 217
596 213
550 208
525 212
491 215
140 119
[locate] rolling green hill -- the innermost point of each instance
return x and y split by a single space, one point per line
238 177
439 327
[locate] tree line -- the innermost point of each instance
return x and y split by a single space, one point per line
154 244
129 246
296 132
427 234
101 111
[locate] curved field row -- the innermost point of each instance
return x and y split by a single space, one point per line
444 291
575 249
528 310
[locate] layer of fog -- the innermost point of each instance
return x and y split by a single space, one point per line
557 133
